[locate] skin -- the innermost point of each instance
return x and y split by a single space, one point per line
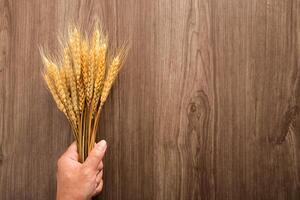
80 181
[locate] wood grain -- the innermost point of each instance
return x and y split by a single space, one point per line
206 107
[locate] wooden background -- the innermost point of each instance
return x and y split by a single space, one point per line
206 107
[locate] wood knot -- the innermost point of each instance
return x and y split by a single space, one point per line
197 141
289 118
198 111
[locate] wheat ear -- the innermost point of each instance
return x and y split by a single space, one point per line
92 55
99 73
75 46
56 98
72 84
110 78
55 85
65 84
112 73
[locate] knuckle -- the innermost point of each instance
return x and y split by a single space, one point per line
99 176
60 162
101 173
101 165
99 189
101 186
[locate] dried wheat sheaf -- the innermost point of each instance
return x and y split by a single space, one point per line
80 79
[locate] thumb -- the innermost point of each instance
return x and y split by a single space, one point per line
96 155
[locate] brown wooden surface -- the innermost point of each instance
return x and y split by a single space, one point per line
206 107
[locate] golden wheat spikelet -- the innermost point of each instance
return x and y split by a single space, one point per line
75 46
94 46
50 76
81 94
100 65
94 53
66 86
72 116
100 74
111 76
63 77
95 39
53 73
84 55
57 100
71 81
113 71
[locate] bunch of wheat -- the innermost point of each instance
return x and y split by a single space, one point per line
81 80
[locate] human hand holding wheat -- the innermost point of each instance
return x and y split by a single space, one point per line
77 180
81 80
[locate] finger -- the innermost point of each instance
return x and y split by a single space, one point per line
99 188
72 152
100 166
96 155
99 177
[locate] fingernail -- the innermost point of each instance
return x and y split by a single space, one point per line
101 145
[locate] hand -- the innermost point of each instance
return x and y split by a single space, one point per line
80 181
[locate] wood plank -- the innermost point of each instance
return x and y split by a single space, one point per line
128 118
255 58
31 122
4 64
184 137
